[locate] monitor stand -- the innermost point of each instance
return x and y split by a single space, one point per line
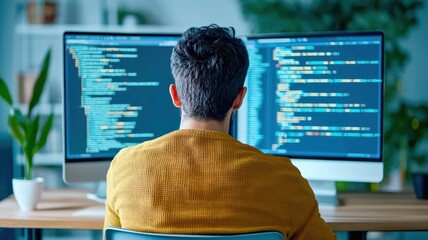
100 194
325 192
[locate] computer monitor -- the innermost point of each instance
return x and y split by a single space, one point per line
317 99
115 95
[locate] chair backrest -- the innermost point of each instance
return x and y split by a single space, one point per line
112 233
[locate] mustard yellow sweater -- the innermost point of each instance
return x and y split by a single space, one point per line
206 182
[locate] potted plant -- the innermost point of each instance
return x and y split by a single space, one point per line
417 131
26 129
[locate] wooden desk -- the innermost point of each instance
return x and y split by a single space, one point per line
57 210
360 213
377 212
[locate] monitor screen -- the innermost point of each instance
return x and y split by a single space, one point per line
115 93
315 96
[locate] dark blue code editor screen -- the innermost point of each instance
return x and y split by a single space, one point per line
315 96
116 92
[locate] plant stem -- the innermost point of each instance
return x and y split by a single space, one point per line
27 166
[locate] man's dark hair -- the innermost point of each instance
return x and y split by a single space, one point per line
209 65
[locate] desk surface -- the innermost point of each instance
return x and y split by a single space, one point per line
360 212
56 210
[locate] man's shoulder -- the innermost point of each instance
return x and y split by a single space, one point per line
256 153
132 152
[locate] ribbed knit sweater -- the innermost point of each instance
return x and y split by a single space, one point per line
206 182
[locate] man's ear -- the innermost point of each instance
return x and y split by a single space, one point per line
174 95
239 99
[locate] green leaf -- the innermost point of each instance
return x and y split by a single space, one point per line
22 120
16 131
44 134
40 83
32 136
4 92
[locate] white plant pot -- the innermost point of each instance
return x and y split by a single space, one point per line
27 193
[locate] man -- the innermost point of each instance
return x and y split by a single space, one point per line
198 179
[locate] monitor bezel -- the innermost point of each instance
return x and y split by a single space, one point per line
382 89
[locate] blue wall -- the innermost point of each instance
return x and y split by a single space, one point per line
6 33
6 160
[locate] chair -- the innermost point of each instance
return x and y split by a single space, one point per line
112 233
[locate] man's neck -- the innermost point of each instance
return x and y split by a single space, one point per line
213 125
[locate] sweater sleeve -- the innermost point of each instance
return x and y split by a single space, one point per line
307 222
111 218
314 228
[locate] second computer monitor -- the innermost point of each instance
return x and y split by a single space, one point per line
318 99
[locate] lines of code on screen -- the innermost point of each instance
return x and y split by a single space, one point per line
314 96
116 92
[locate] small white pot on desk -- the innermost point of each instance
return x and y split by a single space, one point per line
27 192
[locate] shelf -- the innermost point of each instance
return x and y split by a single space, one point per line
43 159
59 29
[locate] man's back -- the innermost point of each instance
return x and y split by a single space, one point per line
200 181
